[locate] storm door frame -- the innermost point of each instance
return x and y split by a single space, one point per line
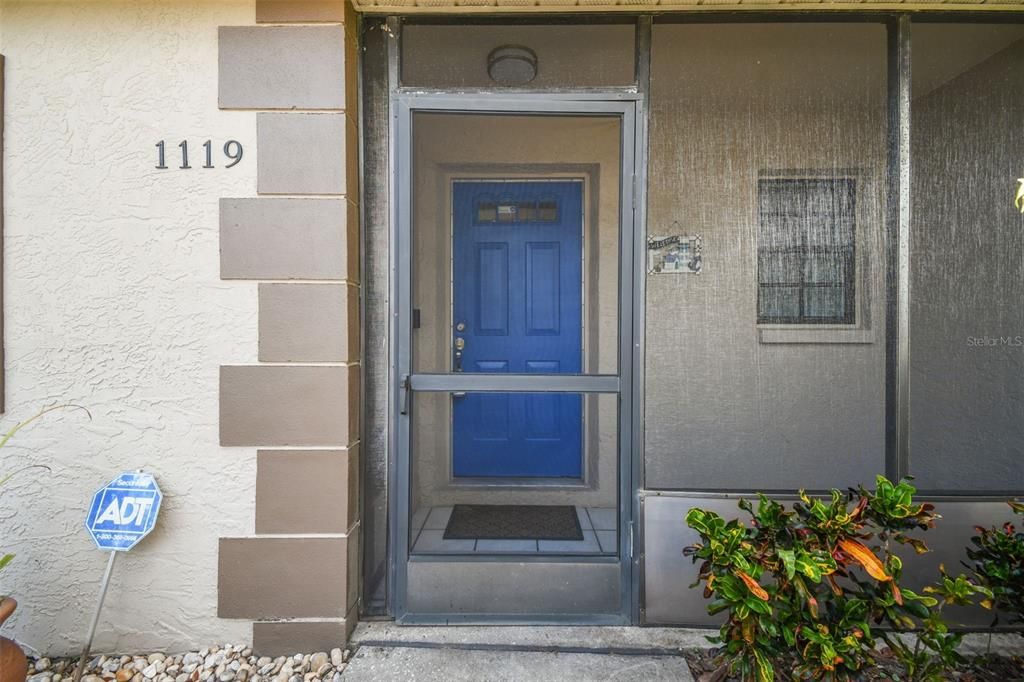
626 105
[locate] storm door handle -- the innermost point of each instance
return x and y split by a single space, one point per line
406 394
460 346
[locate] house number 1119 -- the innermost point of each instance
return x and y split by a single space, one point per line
232 152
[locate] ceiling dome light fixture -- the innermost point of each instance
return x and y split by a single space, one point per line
512 65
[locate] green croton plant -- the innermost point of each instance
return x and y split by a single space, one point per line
808 590
997 556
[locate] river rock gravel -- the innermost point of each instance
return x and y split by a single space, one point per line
228 663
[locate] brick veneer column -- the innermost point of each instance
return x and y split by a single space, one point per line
297 575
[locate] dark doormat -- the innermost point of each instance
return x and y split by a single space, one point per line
513 522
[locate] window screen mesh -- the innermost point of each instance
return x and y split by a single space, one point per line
806 249
736 108
967 250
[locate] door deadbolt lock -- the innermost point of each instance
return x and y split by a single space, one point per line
460 327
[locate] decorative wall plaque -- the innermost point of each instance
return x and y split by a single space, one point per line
674 254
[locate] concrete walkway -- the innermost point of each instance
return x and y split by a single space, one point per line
548 653
377 664
520 654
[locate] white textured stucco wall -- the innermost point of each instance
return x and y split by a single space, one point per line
113 301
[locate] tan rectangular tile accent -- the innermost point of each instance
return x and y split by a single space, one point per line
308 323
351 620
306 491
352 574
299 11
288 239
287 638
274 406
355 392
268 578
281 67
352 170
352 67
354 243
302 153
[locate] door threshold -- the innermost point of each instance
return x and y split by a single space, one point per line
519 483
510 619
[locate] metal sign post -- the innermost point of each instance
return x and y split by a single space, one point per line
122 513
95 618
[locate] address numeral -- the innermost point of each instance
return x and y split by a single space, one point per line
232 153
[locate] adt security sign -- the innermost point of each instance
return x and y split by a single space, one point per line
124 511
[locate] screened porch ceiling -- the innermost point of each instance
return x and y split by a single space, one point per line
591 6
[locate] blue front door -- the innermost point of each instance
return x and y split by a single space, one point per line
517 271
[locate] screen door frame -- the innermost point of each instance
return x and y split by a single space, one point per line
406 384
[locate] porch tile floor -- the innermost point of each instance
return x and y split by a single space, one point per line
597 523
